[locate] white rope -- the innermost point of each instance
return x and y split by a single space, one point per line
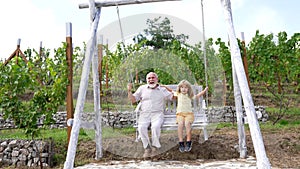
123 40
120 24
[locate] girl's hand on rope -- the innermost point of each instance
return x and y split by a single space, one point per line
206 89
202 92
130 95
129 87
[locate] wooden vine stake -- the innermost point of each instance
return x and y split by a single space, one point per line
69 53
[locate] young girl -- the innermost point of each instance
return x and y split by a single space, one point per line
184 115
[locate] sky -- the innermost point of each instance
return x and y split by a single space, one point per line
36 21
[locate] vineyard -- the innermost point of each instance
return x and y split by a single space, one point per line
37 87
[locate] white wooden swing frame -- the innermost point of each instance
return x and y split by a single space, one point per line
239 77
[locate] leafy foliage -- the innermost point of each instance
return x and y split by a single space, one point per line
224 55
34 90
272 62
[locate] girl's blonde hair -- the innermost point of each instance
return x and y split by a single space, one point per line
188 84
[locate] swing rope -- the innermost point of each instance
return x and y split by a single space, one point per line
120 25
123 40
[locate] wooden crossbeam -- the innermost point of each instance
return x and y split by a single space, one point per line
16 53
107 3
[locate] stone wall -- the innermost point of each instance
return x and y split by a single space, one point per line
228 114
26 153
125 119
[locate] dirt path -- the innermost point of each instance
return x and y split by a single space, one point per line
282 147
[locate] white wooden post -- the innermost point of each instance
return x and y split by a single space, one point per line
261 157
19 42
69 163
97 107
239 114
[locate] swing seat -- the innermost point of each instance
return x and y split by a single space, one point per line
169 123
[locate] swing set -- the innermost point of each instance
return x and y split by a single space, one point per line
241 88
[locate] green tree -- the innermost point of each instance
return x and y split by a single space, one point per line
159 34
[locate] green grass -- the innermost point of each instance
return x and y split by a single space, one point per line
266 126
281 125
226 125
291 120
89 106
60 135
286 95
291 111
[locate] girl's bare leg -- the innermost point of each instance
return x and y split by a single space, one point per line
188 128
180 131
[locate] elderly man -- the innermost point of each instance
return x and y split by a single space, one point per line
151 97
